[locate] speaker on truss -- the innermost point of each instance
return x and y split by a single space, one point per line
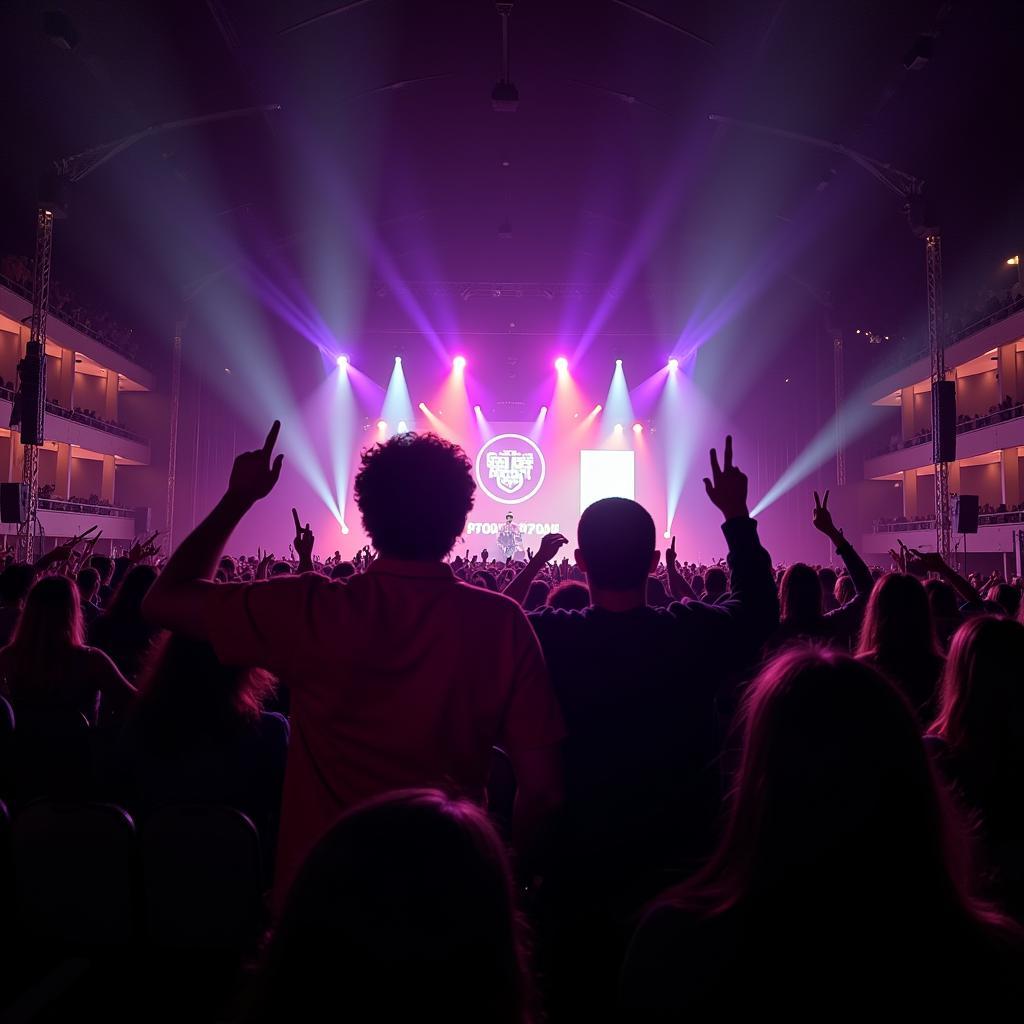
965 513
141 520
944 402
13 503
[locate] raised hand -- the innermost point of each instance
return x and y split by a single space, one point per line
303 541
727 486
254 474
925 561
822 518
550 545
670 557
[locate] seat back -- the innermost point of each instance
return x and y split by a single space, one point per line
202 878
51 756
76 873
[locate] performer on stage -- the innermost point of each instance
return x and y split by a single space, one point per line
510 540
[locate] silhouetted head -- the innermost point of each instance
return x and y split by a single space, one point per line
616 544
1007 597
403 911
981 697
844 589
343 571
536 596
185 691
569 595
835 800
657 595
88 584
104 566
945 606
126 604
827 577
414 492
898 621
716 582
51 619
800 594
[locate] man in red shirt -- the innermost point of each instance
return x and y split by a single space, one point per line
399 677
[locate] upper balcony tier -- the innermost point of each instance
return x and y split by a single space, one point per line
64 332
83 431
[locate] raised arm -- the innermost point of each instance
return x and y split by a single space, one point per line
932 561
855 565
178 599
753 608
677 585
518 587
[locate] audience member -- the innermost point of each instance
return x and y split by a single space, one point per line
122 631
569 596
979 740
401 676
46 670
841 882
198 733
404 911
898 638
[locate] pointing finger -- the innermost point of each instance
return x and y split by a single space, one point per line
824 501
817 501
716 470
268 445
728 451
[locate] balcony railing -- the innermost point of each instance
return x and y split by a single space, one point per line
85 508
78 416
128 349
907 525
964 426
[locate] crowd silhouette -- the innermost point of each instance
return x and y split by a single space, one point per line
614 785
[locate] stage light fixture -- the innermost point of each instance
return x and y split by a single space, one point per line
344 528
618 428
382 425
342 362
597 408
667 535
423 407
477 409
673 364
618 362
638 428
543 410
459 363
403 427
398 360
562 364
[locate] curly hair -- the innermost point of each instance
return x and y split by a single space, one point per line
414 492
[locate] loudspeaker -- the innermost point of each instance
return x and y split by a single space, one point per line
141 520
13 503
965 514
944 402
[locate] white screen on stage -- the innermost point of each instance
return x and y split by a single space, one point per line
606 474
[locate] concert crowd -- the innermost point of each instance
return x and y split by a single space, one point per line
601 784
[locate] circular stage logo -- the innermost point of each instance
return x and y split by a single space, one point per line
510 469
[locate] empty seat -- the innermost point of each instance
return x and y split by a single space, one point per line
75 873
202 878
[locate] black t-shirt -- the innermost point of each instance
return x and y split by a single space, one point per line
638 695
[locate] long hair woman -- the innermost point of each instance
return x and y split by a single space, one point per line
898 638
841 881
403 911
198 734
979 740
122 631
47 670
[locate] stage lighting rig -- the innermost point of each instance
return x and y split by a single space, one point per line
504 95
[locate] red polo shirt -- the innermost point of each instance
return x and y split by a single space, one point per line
400 677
